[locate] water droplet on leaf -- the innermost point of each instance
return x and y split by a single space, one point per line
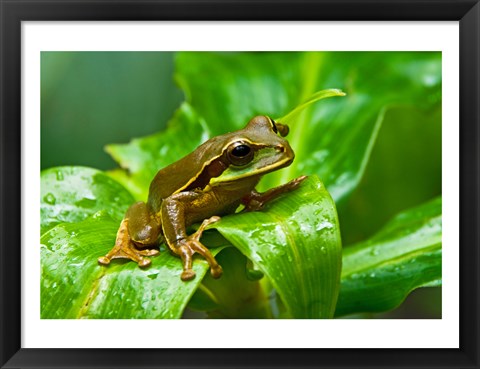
49 199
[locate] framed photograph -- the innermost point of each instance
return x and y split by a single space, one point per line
234 184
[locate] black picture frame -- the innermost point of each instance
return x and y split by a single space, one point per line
13 12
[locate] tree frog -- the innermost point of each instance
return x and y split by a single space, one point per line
210 182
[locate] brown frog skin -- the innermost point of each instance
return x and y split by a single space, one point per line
210 182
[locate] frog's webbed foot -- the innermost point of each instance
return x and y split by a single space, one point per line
125 249
187 247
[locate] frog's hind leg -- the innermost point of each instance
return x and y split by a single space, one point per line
138 229
124 249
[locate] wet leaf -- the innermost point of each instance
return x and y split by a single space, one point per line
75 286
122 290
406 254
296 243
71 194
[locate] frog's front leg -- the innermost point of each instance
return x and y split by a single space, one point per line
256 200
139 229
175 218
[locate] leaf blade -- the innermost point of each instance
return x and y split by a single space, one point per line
71 194
304 273
122 290
406 254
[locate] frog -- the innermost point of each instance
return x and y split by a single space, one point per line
216 179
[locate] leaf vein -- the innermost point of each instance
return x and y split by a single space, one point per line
93 290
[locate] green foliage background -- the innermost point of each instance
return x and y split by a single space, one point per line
378 151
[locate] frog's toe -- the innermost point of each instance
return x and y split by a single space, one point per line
144 262
128 252
187 275
103 260
213 219
296 182
216 271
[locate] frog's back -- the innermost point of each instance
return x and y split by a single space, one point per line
168 181
178 175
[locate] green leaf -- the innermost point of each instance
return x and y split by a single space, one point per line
71 194
144 157
334 138
308 287
296 243
228 89
75 286
406 254
317 96
82 210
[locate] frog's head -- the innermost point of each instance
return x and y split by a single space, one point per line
255 150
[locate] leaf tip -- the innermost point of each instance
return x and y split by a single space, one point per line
338 92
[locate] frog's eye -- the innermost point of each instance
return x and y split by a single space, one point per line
240 153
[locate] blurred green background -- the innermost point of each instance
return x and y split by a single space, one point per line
90 99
